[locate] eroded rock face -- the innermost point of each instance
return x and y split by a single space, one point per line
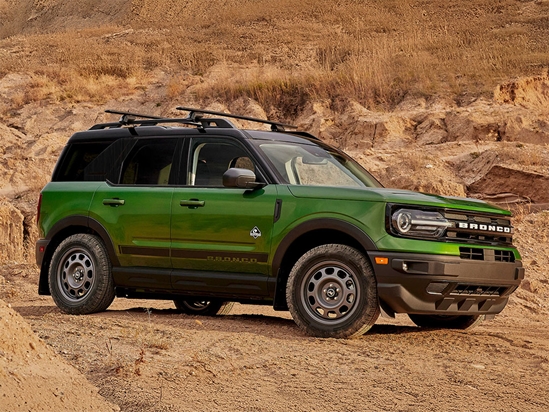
528 92
531 187
11 233
518 113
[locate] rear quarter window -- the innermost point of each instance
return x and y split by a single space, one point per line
74 160
97 161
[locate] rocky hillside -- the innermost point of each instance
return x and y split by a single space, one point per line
495 149
282 54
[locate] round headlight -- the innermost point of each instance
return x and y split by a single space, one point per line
403 221
419 223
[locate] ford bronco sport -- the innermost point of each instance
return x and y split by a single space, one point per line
198 211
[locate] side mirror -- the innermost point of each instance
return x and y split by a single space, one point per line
241 178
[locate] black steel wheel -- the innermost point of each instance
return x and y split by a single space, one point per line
80 277
203 307
332 292
447 321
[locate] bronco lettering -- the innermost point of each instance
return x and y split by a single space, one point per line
231 259
485 228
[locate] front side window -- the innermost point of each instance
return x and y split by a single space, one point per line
309 164
210 159
149 163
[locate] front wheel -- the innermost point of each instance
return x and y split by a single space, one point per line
80 277
446 321
332 292
203 307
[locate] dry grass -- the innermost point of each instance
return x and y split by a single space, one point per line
374 52
148 337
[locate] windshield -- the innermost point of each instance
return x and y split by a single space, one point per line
308 164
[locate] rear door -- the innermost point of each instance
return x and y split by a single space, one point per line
136 211
221 236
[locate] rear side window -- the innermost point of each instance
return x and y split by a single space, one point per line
76 158
107 165
149 163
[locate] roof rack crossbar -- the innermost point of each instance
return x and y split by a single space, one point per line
128 117
195 114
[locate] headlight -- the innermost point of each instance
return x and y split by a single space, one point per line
419 223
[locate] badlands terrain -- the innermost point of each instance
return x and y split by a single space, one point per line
456 102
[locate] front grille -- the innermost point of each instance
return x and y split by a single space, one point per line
504 256
473 253
480 229
478 290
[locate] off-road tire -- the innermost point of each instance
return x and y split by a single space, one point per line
203 307
332 292
447 322
80 277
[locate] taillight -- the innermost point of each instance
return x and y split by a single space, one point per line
38 209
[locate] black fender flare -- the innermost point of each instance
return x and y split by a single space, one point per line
58 227
315 224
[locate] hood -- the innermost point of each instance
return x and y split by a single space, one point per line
397 196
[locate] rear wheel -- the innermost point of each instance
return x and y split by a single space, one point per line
203 307
332 292
447 321
80 277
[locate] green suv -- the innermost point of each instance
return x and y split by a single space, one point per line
198 211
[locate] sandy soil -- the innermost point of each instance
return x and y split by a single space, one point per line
144 356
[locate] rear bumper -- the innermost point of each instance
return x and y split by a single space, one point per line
444 285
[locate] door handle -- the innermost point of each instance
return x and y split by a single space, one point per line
113 202
192 203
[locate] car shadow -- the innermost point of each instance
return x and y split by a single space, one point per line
255 323
261 324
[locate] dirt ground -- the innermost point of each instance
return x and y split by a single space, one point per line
144 356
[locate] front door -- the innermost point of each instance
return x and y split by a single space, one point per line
221 237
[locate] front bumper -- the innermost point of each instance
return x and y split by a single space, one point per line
444 285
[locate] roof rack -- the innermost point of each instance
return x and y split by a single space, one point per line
194 118
129 118
197 114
